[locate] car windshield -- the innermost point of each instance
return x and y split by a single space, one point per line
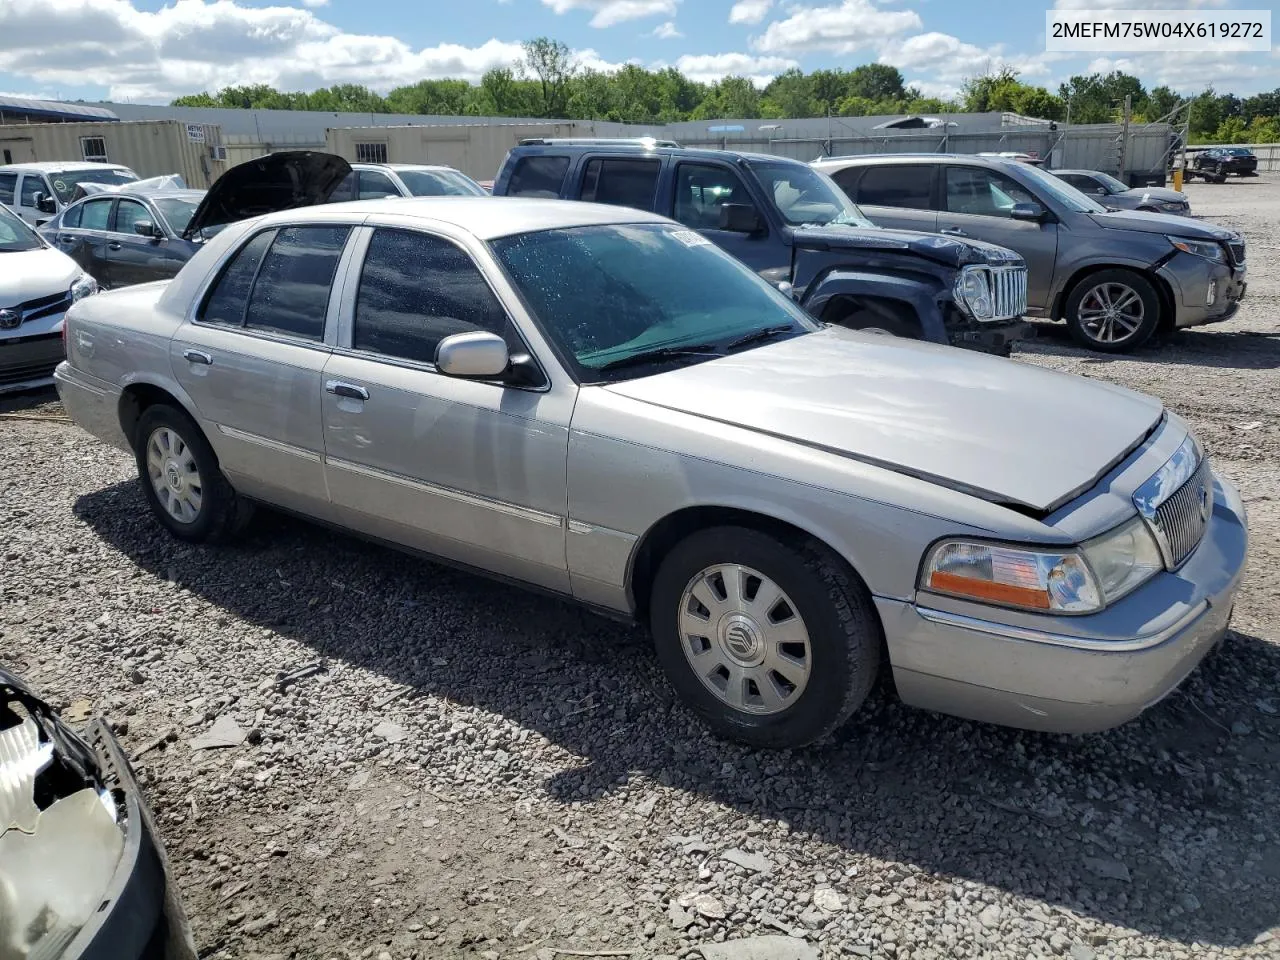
176 211
1111 183
64 183
1060 190
618 299
16 236
804 196
440 183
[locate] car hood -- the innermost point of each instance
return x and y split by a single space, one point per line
945 250
1165 223
1030 438
278 181
1160 194
31 274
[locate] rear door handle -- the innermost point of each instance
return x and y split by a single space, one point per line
348 390
953 231
197 356
113 245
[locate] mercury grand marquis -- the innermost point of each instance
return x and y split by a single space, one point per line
600 403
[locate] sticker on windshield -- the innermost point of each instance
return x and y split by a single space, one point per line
59 185
691 238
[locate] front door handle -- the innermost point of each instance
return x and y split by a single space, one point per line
348 390
952 231
65 239
197 356
113 245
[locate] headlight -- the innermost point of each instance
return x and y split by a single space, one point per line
1173 206
84 286
1123 559
1208 249
973 293
1033 579
1074 580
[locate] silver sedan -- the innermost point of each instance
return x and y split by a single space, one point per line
599 403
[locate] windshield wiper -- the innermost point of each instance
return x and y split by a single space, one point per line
759 336
659 354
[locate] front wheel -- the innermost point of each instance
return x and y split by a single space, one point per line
1113 311
181 480
774 645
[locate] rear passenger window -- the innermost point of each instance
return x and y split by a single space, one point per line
905 186
230 295
291 293
540 176
417 289
8 183
622 183
72 217
94 214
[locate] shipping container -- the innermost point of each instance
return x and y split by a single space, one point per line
150 148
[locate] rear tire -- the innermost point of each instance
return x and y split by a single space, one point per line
181 479
1112 311
773 644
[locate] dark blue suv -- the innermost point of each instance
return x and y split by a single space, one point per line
796 228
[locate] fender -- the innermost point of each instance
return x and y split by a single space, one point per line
920 296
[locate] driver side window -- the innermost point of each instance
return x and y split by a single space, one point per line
702 189
983 193
33 184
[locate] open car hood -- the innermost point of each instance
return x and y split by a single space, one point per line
278 181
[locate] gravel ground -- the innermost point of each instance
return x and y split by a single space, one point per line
475 772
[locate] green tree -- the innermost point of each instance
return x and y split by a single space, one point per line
790 94
195 100
1264 105
1099 98
733 98
441 97
1160 102
552 65
875 81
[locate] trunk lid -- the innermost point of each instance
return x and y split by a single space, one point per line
278 181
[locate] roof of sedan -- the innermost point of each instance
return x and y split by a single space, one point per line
485 218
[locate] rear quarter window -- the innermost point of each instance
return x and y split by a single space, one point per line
538 176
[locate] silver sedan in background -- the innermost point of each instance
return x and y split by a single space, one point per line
601 403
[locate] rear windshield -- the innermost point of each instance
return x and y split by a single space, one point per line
440 183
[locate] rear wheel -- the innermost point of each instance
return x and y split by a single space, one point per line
1113 311
772 644
181 480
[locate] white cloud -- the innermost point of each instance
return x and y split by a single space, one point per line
606 13
709 68
667 31
1190 73
948 60
196 45
315 3
749 11
843 28
1136 4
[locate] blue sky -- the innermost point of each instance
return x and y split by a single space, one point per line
150 51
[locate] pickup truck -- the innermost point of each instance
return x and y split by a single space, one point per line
792 225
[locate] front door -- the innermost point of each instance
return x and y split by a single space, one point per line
473 471
977 203
252 359
133 258
701 189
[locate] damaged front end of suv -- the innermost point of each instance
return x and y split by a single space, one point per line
82 872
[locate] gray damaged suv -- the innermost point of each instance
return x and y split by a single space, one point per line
1116 277
602 403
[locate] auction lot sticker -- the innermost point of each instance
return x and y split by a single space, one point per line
1169 31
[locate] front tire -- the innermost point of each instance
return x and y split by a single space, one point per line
773 644
1113 311
181 480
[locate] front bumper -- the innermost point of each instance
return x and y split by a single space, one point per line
28 362
994 337
141 917
1190 278
1073 674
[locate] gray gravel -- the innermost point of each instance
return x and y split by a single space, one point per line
396 760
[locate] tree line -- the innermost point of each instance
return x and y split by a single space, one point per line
548 83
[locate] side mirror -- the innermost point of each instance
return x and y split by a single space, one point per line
45 203
475 355
740 218
145 228
1028 211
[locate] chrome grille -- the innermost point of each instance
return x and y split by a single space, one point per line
1181 520
1009 292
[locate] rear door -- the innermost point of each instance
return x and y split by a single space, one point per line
134 258
251 360
977 203
82 235
898 196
